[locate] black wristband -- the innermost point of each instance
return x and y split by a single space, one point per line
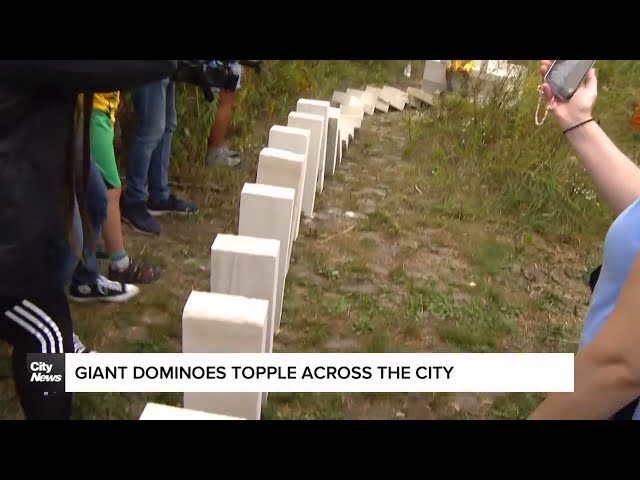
578 125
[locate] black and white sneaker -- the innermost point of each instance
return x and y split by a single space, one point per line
78 346
104 290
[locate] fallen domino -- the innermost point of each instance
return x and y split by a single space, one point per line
392 97
368 103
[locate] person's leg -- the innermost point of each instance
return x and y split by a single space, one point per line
122 269
87 271
87 284
150 104
38 323
217 153
161 200
449 75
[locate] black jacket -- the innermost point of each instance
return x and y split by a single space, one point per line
37 101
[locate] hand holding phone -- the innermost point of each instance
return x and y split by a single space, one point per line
566 76
571 88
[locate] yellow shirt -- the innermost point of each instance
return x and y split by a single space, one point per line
105 102
461 65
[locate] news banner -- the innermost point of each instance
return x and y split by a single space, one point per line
302 372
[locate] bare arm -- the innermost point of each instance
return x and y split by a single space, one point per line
615 176
607 371
85 75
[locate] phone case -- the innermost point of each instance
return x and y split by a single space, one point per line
571 94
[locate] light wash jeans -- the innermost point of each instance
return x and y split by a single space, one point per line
73 268
150 149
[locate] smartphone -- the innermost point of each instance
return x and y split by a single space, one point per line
565 76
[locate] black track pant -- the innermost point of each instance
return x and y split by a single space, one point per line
38 323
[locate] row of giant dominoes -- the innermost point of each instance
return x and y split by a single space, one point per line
242 311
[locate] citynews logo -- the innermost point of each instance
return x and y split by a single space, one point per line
46 371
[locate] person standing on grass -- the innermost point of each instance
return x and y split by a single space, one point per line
80 269
217 153
607 365
462 67
122 269
148 159
38 100
82 274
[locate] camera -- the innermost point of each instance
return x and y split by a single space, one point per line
207 75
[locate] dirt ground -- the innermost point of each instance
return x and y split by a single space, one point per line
383 267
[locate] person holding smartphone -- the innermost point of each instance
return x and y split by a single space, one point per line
607 365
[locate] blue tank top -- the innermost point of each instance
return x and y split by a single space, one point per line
621 246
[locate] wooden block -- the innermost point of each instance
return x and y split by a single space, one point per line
368 105
266 212
435 72
382 106
433 88
414 102
157 411
347 127
370 100
321 108
283 168
296 140
355 103
421 95
218 323
247 267
332 141
394 97
315 124
396 91
373 90
353 113
340 98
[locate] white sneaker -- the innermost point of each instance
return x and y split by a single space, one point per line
221 157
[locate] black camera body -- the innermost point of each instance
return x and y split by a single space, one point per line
207 75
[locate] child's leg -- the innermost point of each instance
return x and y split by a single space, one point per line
122 268
87 284
112 230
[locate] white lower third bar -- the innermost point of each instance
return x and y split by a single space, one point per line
320 372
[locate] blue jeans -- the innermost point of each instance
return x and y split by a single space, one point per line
87 271
151 145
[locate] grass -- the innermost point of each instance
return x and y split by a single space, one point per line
479 235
